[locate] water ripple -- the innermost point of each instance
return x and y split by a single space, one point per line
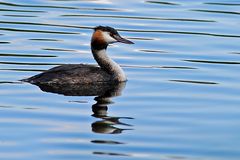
45 24
158 67
141 18
32 6
29 63
162 3
194 82
223 4
43 39
17 15
59 49
36 31
5 42
213 62
23 70
152 51
58 7
16 10
216 11
183 32
24 55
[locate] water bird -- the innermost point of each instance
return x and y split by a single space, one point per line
108 70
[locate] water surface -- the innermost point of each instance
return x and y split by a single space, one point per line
181 100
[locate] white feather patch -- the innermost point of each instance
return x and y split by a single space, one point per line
108 38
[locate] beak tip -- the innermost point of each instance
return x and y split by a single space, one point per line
123 40
128 42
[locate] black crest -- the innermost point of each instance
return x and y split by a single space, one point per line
106 29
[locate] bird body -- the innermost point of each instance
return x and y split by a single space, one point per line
108 70
71 73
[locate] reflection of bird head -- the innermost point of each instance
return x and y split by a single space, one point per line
105 128
106 125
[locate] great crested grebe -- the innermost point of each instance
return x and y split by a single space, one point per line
109 71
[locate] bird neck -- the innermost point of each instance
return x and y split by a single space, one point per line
107 64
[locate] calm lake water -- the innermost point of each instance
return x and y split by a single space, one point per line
181 101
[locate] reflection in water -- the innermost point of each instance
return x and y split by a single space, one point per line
105 142
103 92
110 154
106 125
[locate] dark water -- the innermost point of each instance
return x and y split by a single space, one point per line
181 101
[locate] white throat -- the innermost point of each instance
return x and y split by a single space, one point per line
109 65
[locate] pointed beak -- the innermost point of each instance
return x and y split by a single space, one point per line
122 40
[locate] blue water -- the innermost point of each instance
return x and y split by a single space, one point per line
181 100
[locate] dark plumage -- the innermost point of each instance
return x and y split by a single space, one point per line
64 73
106 29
